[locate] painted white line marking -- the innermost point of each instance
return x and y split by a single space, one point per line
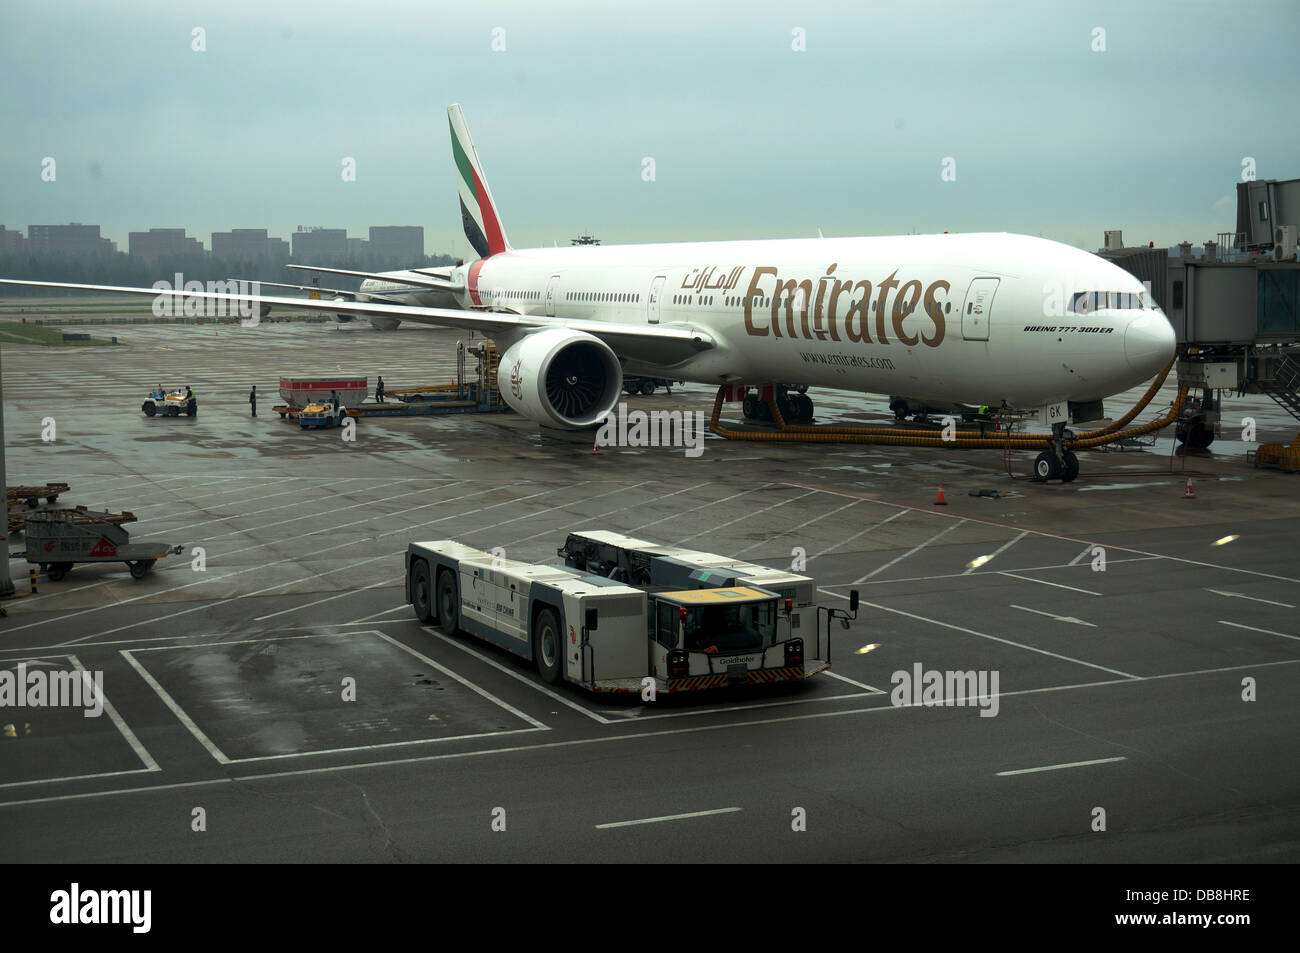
1082 556
1044 582
605 739
997 552
842 678
177 710
464 681
349 568
707 503
728 709
1124 486
337 595
752 514
537 725
1238 625
1058 618
958 575
984 635
258 568
914 549
1058 767
736 554
403 606
150 765
1239 595
554 696
139 749
844 542
1045 535
668 817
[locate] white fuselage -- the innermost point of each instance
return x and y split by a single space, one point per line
396 292
977 318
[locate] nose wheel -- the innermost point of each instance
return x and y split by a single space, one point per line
1058 463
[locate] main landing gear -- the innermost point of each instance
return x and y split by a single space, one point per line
1058 463
795 405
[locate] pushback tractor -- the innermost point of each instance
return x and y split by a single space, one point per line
625 614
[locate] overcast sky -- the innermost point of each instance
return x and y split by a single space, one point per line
750 138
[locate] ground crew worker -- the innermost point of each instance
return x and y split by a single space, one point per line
334 400
379 390
983 416
252 400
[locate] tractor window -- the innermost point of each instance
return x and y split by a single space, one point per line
743 628
666 626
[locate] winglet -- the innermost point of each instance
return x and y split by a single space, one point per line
478 211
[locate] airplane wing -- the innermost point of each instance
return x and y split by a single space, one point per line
441 284
652 344
349 295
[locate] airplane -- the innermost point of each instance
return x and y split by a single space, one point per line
409 287
993 319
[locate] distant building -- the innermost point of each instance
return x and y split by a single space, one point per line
67 241
12 242
358 249
277 249
397 246
241 244
320 246
163 243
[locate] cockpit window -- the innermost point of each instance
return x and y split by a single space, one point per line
1086 302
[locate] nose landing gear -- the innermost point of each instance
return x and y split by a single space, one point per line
1057 463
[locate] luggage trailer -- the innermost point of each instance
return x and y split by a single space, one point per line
607 635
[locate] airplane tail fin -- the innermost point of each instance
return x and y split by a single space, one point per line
478 211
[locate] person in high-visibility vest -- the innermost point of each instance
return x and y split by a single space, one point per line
983 416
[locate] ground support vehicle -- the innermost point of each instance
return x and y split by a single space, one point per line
640 562
31 495
646 385
607 635
321 415
58 539
170 404
300 392
471 393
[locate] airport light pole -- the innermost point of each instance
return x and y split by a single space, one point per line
6 583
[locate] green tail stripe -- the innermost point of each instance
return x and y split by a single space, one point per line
463 165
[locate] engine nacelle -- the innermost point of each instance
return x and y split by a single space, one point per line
560 378
343 318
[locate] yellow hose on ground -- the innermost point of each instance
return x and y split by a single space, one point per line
886 436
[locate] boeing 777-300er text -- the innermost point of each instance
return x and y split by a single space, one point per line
998 319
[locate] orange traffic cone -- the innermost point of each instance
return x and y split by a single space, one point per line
595 447
941 501
1190 494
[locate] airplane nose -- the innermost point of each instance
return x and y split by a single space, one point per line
1149 343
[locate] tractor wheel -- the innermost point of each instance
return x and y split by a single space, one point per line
448 603
548 646
421 591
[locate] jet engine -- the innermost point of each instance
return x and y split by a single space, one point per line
343 318
560 378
